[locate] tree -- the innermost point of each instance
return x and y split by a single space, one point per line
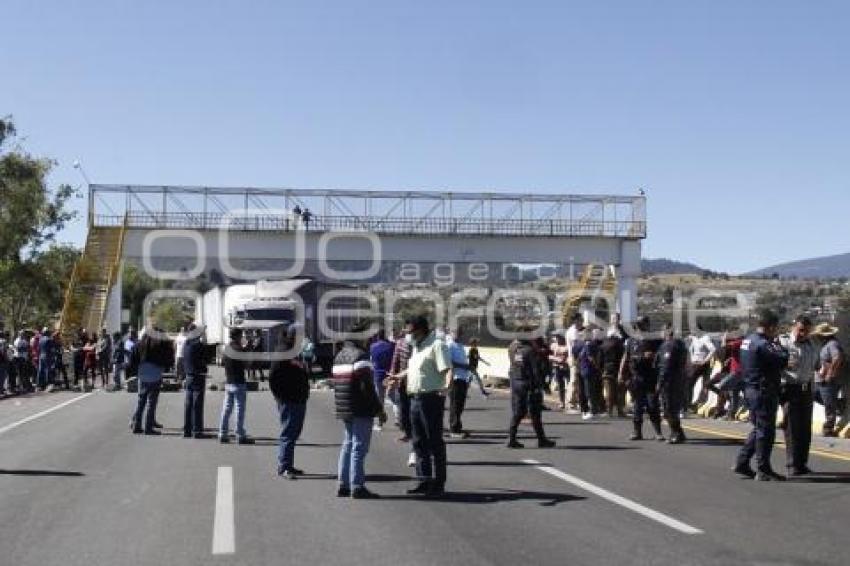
32 278
30 213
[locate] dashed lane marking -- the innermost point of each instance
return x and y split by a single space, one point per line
224 528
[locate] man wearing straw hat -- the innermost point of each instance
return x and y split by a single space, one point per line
829 374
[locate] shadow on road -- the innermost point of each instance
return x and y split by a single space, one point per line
599 448
838 477
493 464
47 473
714 442
546 499
370 478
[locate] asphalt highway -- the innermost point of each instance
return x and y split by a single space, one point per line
76 488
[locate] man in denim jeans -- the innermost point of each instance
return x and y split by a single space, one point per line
235 390
832 361
290 386
357 404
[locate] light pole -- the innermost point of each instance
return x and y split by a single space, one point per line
79 167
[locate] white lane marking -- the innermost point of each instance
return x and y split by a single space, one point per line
31 418
224 539
617 499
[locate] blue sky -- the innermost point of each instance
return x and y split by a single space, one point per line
733 114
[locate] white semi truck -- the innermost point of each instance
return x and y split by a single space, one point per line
286 301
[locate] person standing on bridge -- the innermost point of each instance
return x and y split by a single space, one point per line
357 405
762 362
639 373
196 376
671 362
797 400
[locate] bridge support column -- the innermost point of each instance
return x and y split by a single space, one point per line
112 316
627 278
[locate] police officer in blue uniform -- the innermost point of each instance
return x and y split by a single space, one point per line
762 362
671 363
639 374
526 392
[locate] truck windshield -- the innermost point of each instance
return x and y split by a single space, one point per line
283 315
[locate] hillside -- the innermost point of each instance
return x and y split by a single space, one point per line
829 267
663 266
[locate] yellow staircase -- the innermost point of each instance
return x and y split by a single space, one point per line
94 274
596 280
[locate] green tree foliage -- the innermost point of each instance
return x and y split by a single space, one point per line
32 275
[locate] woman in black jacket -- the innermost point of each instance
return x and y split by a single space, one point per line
291 389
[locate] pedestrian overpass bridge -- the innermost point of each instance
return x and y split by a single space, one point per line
236 234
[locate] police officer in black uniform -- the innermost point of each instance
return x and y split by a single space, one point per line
639 373
526 392
671 363
762 362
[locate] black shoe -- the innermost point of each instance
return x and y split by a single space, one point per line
136 431
288 475
343 492
545 443
801 471
660 438
187 435
245 440
515 444
420 489
769 475
363 493
636 436
201 436
744 470
223 439
296 471
157 425
435 491
677 439
153 433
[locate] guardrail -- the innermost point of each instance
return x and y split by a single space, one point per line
422 227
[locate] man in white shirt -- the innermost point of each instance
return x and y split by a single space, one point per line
572 335
701 350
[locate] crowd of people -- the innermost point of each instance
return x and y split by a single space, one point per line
589 370
40 360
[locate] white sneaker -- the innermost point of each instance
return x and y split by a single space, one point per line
411 461
587 417
378 428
